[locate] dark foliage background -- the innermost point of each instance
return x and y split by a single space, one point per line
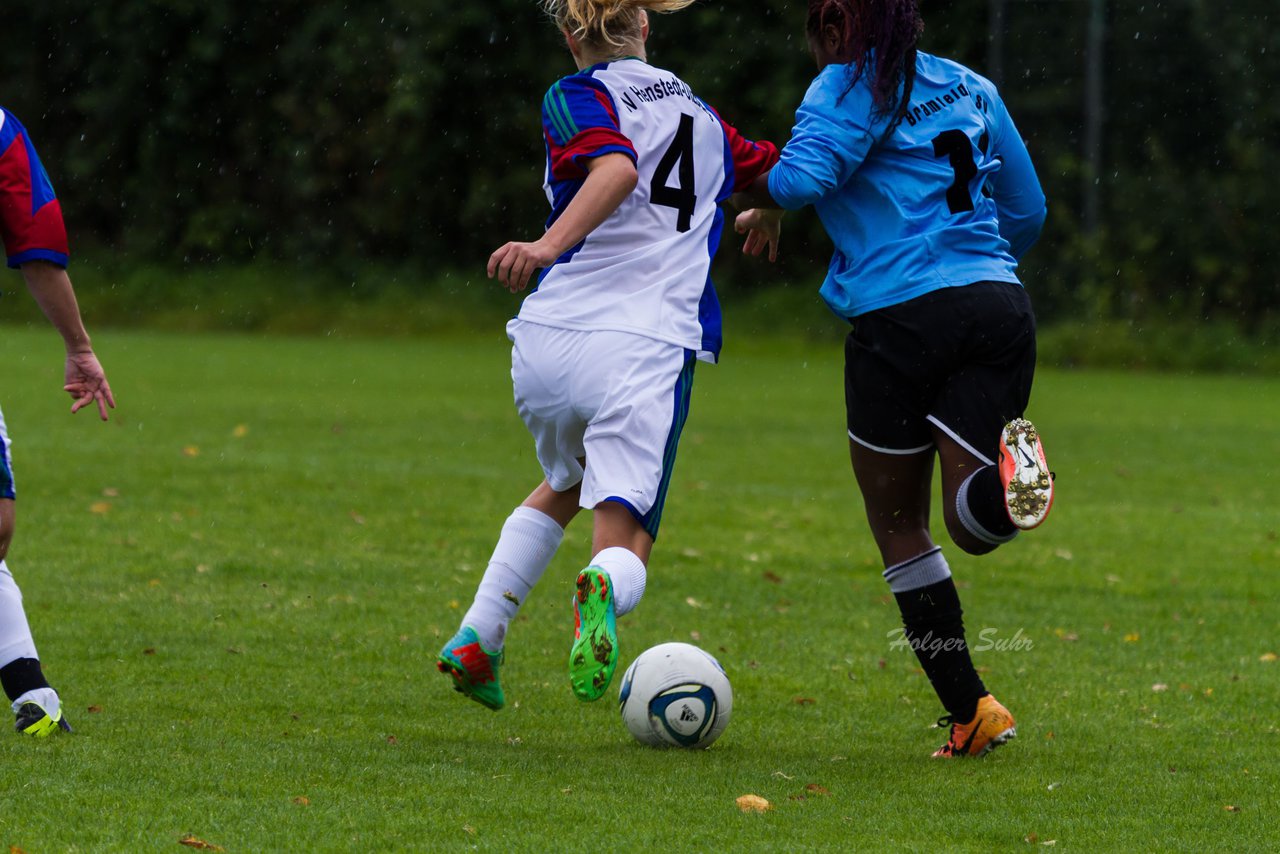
331 134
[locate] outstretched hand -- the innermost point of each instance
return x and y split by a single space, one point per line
86 382
763 228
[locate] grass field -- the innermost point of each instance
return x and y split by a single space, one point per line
240 583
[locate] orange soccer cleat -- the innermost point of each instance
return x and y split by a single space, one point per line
991 727
1024 474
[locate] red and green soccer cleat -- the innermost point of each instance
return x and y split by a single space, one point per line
594 655
474 669
991 727
1024 474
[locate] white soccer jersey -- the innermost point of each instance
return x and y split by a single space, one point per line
645 270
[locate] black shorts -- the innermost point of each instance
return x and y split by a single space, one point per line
959 359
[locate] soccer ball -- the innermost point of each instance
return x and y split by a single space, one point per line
675 695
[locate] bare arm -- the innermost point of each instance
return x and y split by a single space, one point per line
756 195
610 179
85 380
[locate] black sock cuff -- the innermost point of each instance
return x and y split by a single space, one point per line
20 676
980 506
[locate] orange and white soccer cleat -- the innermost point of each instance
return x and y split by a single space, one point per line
991 727
1024 474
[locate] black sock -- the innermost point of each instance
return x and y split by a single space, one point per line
20 676
932 618
986 502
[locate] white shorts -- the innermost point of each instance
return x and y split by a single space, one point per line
6 466
618 399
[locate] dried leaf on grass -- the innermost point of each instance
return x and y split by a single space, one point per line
192 842
753 803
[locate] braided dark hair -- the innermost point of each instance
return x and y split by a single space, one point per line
889 27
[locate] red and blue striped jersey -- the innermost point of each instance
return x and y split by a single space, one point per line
646 268
30 216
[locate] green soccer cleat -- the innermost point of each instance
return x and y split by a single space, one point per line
594 655
473 668
34 717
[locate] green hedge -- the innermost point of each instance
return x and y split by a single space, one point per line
331 134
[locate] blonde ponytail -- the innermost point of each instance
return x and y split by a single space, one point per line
606 22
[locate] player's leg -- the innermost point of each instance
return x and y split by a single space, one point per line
994 477
895 490
988 383
35 704
895 360
532 533
631 449
528 541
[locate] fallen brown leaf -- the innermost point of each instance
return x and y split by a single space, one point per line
753 803
804 701
93 710
815 789
192 842
302 801
1231 808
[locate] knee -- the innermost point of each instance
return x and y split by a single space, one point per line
965 539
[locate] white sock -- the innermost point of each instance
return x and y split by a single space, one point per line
15 634
626 573
45 698
528 541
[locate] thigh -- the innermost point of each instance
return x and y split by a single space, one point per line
543 376
991 383
886 390
895 491
634 430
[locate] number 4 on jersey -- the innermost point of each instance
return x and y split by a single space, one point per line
681 197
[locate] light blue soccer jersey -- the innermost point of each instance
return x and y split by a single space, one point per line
949 198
